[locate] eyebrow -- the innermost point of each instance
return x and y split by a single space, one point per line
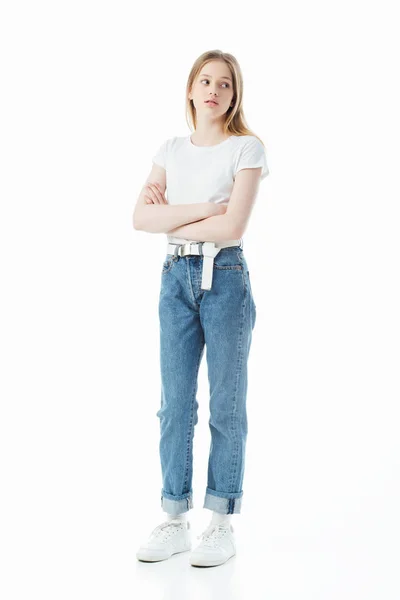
205 74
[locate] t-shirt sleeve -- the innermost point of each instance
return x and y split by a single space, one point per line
251 156
160 157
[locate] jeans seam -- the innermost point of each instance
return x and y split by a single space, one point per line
189 283
191 426
234 420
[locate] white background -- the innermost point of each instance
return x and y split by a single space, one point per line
89 92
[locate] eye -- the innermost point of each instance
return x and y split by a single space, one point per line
227 84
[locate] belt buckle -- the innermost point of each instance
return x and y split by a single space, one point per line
188 245
181 248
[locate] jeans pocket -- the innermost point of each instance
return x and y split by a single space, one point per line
167 265
227 258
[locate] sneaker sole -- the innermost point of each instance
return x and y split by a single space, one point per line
148 556
207 562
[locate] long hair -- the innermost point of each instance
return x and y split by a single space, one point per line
235 122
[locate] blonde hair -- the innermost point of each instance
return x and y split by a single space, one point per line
235 122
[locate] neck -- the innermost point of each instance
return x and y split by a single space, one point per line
209 133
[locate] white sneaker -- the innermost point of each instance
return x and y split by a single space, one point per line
216 547
171 537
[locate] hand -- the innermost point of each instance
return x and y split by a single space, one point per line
153 194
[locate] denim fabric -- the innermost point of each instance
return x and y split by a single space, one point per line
222 320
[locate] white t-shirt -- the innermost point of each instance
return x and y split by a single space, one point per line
207 173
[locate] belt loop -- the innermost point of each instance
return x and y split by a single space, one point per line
176 252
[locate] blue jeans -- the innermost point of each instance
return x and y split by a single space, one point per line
222 319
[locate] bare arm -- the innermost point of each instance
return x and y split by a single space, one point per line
219 228
160 218
157 216
232 224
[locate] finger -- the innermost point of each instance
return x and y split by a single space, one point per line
147 198
157 194
152 195
161 192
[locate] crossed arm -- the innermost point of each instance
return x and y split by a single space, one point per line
199 221
219 228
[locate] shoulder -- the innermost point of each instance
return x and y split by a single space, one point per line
250 154
247 145
177 141
173 143
165 150
170 141
247 141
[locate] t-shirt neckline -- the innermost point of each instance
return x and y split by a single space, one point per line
207 147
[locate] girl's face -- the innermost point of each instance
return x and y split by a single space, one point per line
213 82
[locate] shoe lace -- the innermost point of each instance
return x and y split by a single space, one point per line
212 534
164 529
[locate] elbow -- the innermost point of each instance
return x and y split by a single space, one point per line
236 231
231 229
137 221
142 221
234 228
143 225
136 224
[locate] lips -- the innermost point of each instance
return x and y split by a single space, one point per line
211 101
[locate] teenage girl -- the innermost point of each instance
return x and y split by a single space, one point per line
212 178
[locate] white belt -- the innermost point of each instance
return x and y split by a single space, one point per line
181 247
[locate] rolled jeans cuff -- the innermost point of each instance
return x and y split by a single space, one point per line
176 505
225 504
